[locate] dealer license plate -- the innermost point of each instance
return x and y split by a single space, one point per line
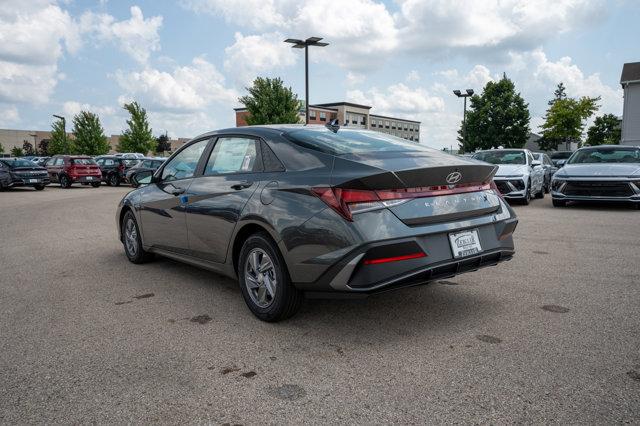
89 177
33 180
465 243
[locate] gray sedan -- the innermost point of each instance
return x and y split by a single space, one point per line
599 173
307 210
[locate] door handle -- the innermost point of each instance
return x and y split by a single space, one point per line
241 185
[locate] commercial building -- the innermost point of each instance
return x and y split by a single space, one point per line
630 81
352 115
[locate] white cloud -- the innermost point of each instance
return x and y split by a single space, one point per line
188 88
254 55
33 37
71 108
136 36
439 25
255 14
354 78
9 115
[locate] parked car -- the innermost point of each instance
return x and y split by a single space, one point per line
549 169
293 210
148 163
42 161
130 155
599 173
114 169
560 157
16 172
519 177
69 169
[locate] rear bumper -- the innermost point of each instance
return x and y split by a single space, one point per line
350 275
86 179
27 182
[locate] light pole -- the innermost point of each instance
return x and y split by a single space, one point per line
35 142
299 44
459 94
64 126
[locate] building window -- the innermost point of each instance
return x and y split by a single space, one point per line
379 123
373 123
363 120
393 124
312 114
354 119
323 116
386 124
406 127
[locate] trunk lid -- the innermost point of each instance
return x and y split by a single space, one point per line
398 170
456 187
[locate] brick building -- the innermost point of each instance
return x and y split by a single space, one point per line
352 115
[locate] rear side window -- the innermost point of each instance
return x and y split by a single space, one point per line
233 155
346 141
83 161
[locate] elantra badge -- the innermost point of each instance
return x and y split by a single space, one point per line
454 177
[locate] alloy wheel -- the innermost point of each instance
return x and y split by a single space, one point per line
131 237
260 277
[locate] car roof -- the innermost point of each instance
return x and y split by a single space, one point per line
624 147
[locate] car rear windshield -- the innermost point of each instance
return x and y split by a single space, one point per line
346 141
19 163
502 157
562 155
589 156
83 161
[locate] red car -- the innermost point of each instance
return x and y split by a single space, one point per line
70 169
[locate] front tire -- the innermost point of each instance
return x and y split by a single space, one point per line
264 280
527 196
132 241
559 203
39 187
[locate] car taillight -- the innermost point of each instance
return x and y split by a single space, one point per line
347 202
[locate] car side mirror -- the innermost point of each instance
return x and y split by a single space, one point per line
143 177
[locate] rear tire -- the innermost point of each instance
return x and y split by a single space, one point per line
39 187
273 297
559 203
132 241
65 181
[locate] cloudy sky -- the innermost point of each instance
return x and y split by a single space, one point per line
188 61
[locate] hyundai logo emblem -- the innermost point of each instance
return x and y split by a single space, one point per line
454 177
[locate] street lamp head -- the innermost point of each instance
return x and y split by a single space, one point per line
457 93
470 92
311 41
58 116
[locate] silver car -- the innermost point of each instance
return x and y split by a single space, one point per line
519 177
599 173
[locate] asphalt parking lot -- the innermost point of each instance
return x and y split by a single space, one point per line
552 336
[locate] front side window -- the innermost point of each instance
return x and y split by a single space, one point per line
59 161
233 155
605 155
183 165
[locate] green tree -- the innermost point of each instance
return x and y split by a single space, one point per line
565 120
60 143
558 94
16 151
89 134
497 117
269 102
604 131
43 147
163 143
138 137
27 147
